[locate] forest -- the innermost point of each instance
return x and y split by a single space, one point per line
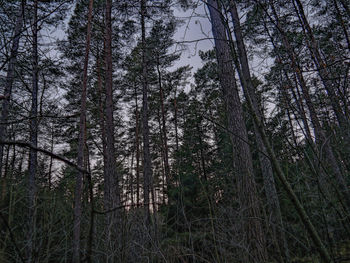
114 148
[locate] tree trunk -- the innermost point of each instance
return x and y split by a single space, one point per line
292 196
102 122
326 77
321 139
111 174
131 177
5 176
33 139
298 99
10 78
51 159
202 157
265 164
81 146
342 23
253 234
322 68
162 163
147 169
137 139
164 130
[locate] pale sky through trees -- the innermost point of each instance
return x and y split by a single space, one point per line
196 35
192 35
195 29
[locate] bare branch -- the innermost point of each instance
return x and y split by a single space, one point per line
53 155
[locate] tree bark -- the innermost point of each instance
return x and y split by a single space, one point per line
321 139
10 76
162 163
343 25
176 121
253 234
265 164
322 68
102 115
164 130
33 139
51 159
131 177
147 169
81 146
137 141
287 187
111 175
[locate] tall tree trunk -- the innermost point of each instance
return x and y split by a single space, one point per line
202 157
111 175
10 78
300 107
176 136
289 84
147 169
342 23
137 139
107 186
176 121
5 176
89 183
321 139
8 175
51 158
253 234
265 164
33 139
81 146
287 187
102 118
164 130
322 68
131 177
162 163
330 85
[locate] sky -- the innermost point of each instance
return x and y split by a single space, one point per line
193 34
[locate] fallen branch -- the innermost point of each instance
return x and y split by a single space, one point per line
120 207
53 155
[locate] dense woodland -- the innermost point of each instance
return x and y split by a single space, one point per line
110 152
